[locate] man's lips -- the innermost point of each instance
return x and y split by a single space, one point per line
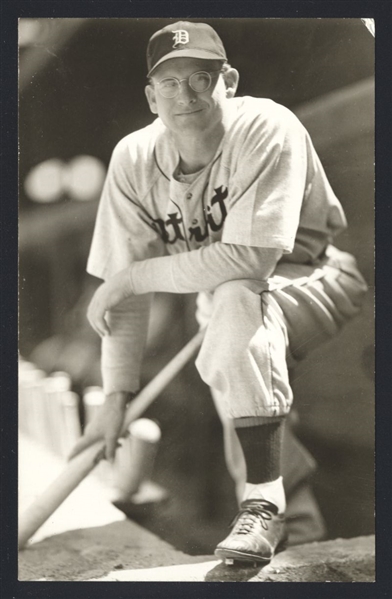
188 113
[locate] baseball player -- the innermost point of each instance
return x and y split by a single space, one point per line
224 196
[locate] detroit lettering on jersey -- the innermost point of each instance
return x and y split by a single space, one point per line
172 229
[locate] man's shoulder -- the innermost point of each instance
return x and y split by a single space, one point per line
263 112
134 157
258 124
139 143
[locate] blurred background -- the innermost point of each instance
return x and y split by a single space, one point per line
81 87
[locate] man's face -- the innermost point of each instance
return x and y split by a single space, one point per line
189 110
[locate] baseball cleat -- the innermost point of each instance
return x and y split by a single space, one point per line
232 562
258 532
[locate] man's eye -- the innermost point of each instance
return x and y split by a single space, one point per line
168 83
200 78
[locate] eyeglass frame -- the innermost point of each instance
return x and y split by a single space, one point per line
179 81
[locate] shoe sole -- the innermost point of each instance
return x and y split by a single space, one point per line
231 556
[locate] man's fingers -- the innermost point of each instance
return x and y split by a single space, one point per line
104 326
98 308
101 326
98 322
111 446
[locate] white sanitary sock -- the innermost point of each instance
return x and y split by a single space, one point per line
272 491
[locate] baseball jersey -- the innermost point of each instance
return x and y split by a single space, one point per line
264 188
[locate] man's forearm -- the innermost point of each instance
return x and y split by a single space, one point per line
203 269
123 349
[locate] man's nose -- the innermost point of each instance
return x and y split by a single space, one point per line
185 93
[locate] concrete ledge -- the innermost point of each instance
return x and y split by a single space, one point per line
124 551
341 560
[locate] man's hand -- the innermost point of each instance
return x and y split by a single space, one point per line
107 425
107 296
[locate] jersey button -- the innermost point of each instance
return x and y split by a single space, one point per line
188 196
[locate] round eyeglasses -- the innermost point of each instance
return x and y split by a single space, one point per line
200 82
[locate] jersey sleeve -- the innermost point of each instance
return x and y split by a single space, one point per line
123 231
203 269
270 183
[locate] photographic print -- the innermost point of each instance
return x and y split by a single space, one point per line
196 299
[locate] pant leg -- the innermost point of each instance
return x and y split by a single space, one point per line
243 355
314 311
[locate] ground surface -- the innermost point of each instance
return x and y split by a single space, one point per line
125 552
87 538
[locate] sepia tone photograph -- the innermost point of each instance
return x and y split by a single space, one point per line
196 299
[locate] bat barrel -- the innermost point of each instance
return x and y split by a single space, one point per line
73 474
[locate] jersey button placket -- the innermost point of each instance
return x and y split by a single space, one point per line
188 196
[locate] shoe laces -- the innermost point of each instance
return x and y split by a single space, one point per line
252 512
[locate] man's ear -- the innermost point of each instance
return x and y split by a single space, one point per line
150 95
231 77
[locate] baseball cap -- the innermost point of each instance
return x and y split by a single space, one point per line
184 39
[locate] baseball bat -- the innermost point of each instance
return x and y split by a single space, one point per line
82 464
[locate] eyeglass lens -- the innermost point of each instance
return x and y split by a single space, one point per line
199 82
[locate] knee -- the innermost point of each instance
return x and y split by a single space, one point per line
230 292
227 322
